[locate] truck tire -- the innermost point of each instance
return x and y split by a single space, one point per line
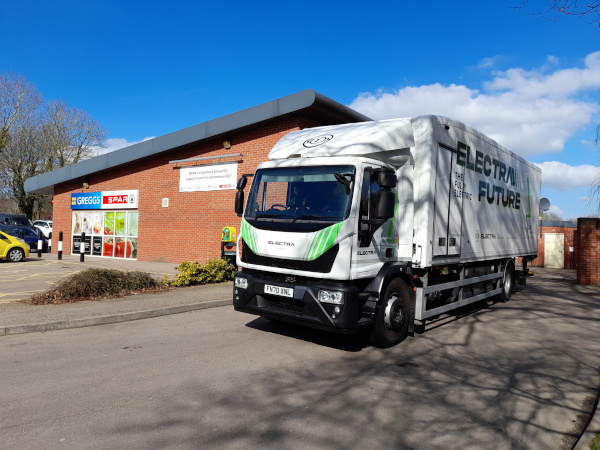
391 326
508 281
16 255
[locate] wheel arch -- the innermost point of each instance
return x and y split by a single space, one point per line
379 284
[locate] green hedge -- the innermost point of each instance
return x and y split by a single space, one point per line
192 273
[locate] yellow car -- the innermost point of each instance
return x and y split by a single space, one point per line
12 248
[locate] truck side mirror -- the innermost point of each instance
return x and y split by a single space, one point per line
387 180
239 202
241 184
385 204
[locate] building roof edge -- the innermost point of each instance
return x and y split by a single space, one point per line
303 100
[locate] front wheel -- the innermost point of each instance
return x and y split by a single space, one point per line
16 255
391 326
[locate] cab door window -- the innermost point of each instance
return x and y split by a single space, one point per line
369 194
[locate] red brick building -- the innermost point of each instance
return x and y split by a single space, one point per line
169 198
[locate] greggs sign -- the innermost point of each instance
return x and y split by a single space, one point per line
105 200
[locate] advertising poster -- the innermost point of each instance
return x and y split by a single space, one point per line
77 245
97 246
214 177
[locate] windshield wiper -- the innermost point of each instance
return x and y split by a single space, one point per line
316 217
274 216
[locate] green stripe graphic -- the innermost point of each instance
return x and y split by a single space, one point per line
390 239
249 236
528 198
322 241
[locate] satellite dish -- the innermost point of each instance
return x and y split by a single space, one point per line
544 204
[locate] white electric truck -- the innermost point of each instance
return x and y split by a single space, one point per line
382 224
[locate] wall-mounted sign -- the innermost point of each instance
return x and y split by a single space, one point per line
105 200
214 177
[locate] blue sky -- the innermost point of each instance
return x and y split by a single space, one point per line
144 69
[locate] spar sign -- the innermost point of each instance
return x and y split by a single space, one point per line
105 200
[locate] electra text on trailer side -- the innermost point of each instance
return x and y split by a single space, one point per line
383 224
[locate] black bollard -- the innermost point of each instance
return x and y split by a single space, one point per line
60 239
82 248
50 242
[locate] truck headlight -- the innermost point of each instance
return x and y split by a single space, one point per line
333 297
241 283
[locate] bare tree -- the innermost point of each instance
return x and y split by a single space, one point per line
554 9
36 137
594 201
19 101
69 134
550 216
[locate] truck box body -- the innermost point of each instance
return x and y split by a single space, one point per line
461 202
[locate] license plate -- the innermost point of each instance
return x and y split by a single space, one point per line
278 290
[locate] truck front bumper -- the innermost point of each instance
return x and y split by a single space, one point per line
298 302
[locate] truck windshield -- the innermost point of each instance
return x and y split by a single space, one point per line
322 193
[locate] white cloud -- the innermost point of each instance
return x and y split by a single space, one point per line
535 84
488 63
529 112
556 210
561 176
113 144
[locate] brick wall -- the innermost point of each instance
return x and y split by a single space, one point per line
190 228
588 254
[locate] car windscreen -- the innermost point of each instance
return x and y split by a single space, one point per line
320 193
20 221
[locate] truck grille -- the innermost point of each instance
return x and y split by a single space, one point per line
322 264
282 277
294 306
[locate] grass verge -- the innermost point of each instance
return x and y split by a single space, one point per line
96 284
595 445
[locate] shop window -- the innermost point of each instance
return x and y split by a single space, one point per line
112 234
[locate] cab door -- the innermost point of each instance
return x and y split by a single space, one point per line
381 244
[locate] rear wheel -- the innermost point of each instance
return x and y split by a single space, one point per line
16 255
508 281
391 326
